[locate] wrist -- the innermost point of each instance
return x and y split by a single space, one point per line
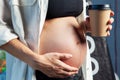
36 61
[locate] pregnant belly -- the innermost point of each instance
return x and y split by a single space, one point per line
63 39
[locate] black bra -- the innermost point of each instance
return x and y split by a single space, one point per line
63 8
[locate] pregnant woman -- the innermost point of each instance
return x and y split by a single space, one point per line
60 34
21 22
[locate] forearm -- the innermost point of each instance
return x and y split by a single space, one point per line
46 63
19 50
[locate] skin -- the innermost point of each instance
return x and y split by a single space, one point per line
60 35
49 63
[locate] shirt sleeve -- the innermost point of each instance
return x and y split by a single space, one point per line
6 29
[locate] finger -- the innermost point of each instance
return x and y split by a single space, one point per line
108 33
59 73
63 56
111 13
88 19
111 20
88 28
65 67
109 27
64 74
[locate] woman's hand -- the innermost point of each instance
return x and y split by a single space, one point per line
51 65
110 21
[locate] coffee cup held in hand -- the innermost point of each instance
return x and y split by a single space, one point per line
99 16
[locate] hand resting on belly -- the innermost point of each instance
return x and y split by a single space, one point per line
60 35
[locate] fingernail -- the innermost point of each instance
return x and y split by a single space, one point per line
69 56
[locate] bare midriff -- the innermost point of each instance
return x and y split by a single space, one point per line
59 35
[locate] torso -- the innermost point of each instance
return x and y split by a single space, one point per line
59 35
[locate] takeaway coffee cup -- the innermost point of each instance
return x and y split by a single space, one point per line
99 16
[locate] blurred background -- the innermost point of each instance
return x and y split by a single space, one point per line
2 65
